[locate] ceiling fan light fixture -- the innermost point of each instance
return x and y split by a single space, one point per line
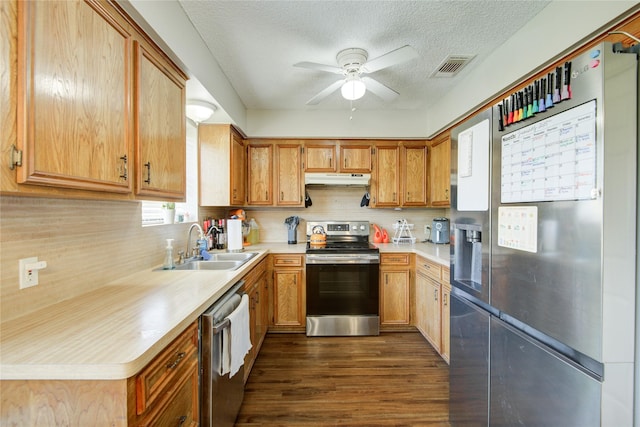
353 88
199 111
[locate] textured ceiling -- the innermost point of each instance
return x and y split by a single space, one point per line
256 44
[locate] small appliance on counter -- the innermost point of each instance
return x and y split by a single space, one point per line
440 231
292 226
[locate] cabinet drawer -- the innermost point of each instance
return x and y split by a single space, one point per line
182 407
163 371
430 268
395 259
288 260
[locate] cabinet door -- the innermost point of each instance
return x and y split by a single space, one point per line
74 68
414 175
422 295
160 128
287 298
394 297
260 170
386 185
433 327
355 158
238 164
445 313
288 175
320 158
440 171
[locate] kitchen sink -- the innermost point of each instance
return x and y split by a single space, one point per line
209 265
220 261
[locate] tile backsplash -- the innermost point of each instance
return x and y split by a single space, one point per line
88 243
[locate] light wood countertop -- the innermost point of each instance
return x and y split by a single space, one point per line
113 332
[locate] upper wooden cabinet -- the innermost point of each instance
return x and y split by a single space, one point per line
160 128
260 174
79 64
440 170
399 175
275 173
338 156
74 79
222 165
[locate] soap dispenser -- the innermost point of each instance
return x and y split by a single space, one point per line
169 263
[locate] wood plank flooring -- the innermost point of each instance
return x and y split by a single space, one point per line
395 379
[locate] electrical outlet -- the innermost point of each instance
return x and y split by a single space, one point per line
427 229
28 270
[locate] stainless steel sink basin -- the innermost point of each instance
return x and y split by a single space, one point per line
210 265
219 261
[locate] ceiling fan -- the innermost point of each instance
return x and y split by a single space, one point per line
352 65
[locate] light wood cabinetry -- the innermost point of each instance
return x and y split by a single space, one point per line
400 175
256 287
289 180
222 165
413 175
260 174
167 389
288 293
432 304
275 173
440 170
74 118
445 312
96 100
320 157
160 128
395 290
385 188
338 156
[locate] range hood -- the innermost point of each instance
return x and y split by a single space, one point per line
337 179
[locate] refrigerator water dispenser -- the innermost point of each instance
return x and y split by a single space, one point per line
468 255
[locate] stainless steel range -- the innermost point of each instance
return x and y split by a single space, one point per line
342 279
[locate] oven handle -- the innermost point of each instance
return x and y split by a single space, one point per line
342 259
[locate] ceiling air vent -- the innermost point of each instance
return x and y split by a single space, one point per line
452 65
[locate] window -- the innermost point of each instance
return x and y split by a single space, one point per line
152 212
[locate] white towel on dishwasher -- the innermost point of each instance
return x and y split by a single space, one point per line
236 339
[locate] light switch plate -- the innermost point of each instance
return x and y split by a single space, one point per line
28 277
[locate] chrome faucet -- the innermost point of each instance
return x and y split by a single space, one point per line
194 225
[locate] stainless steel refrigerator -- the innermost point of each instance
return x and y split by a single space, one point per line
543 241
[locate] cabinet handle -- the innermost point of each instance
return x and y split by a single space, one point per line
148 166
408 196
444 300
435 295
446 193
282 195
124 167
295 280
386 279
330 162
175 363
181 420
266 195
257 297
394 196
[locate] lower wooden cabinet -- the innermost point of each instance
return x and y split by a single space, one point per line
395 291
166 390
432 304
288 293
256 287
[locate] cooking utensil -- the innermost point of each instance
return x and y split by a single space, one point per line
292 224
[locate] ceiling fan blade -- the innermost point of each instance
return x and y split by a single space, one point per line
326 92
398 56
379 89
319 67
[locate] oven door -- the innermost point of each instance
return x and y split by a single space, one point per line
342 289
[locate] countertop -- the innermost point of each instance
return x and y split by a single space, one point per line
113 332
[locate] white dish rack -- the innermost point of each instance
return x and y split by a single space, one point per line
403 234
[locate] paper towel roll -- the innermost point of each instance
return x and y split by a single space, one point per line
234 235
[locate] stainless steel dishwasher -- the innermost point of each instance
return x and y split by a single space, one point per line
220 395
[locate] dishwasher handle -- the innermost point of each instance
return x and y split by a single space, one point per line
219 327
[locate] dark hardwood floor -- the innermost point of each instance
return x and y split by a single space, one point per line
395 379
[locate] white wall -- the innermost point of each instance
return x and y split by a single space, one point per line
552 33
